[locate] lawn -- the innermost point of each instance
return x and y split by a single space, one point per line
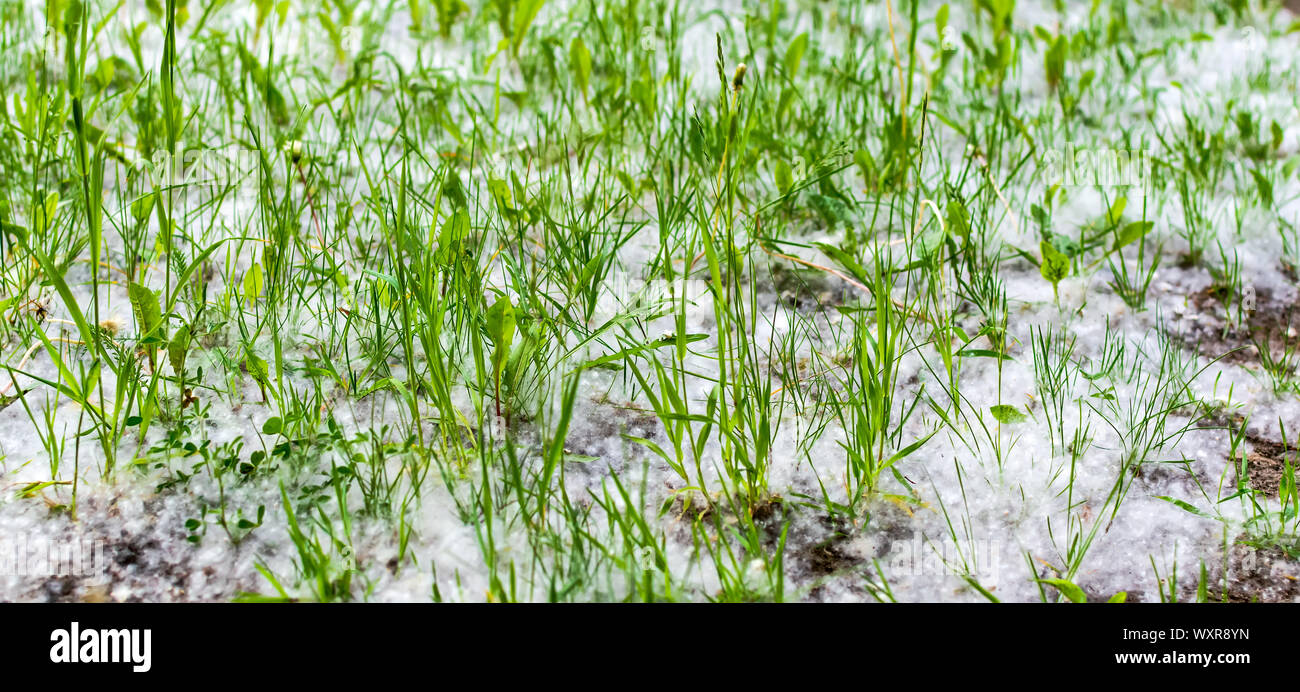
531 300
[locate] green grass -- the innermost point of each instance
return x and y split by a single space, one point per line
336 268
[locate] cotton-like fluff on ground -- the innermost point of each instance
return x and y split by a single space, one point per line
1091 391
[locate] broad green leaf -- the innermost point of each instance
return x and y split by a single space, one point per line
1007 414
1055 266
451 238
1116 212
1133 232
580 63
958 221
178 348
501 329
1067 589
142 207
417 15
1086 81
253 283
257 368
866 165
784 177
144 303
794 55
1054 62
501 194
525 12
501 322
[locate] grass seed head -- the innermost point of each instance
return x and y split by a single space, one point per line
738 81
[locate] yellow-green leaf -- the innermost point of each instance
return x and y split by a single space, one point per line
144 303
784 177
253 284
1067 589
1007 414
580 62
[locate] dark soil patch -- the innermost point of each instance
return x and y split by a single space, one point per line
808 290
611 422
1220 420
1255 575
828 556
686 506
1265 459
1289 271
1266 465
1272 324
1265 462
770 516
